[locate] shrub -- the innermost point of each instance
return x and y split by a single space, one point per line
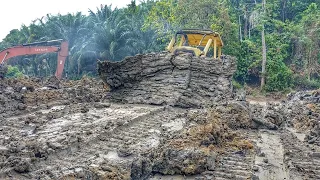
279 76
236 84
13 72
303 83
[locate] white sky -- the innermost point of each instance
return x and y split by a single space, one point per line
14 13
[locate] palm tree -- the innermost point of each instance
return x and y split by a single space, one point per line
143 40
111 32
66 27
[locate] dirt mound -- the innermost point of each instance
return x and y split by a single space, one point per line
165 79
194 149
67 91
237 114
302 113
11 95
270 116
16 95
3 70
53 82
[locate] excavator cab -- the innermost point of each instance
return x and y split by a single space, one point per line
197 42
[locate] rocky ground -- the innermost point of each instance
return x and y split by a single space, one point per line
76 130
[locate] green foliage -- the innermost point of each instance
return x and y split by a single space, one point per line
292 34
303 83
105 34
279 76
236 84
13 72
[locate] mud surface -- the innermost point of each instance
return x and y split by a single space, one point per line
81 130
73 131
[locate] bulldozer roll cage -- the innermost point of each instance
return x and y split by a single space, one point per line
197 41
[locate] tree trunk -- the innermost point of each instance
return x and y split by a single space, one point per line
240 30
264 51
309 65
245 29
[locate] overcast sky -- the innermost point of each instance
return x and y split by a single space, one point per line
14 13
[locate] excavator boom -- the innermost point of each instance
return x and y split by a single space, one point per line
39 48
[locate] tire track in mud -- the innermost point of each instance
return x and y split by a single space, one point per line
232 165
118 146
269 158
140 134
270 162
302 159
285 155
236 165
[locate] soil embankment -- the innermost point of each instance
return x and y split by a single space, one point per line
147 126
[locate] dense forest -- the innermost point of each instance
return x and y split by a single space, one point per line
276 41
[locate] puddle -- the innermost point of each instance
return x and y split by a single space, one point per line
300 136
54 108
175 125
271 146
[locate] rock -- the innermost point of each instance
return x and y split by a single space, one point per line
265 123
23 90
240 95
211 163
265 160
315 154
3 150
106 168
183 161
84 110
124 152
313 140
53 82
200 178
79 173
55 145
262 154
22 166
255 168
141 168
255 177
22 106
99 105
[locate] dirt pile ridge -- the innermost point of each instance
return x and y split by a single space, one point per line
17 94
165 79
162 116
65 133
303 113
195 149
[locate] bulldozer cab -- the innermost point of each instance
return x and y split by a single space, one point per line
195 41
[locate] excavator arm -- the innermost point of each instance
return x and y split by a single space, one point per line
39 48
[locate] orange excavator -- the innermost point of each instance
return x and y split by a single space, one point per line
60 46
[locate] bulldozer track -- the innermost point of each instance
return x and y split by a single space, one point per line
140 134
143 130
303 160
236 165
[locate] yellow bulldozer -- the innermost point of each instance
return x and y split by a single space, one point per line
196 41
